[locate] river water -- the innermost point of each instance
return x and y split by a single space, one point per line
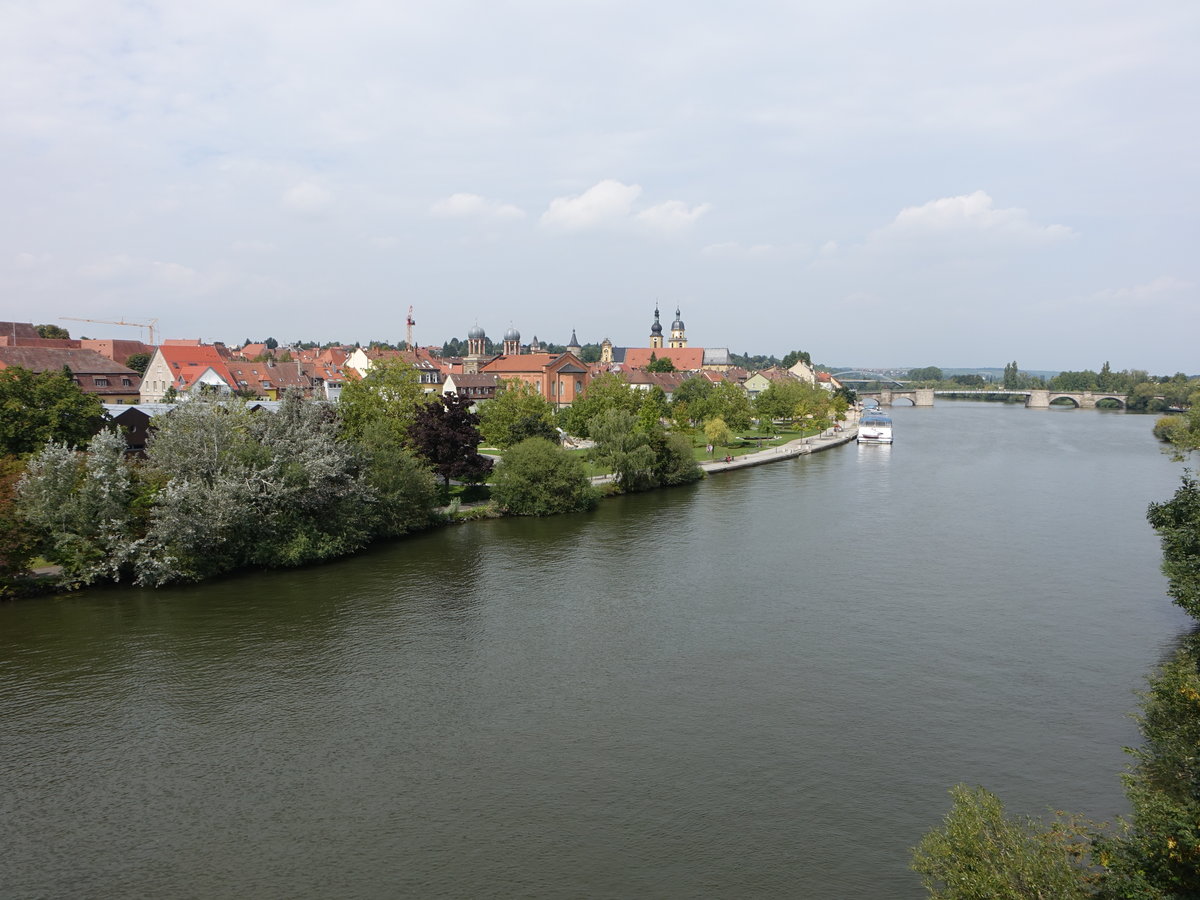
761 685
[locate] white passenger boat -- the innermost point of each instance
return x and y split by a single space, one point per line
874 428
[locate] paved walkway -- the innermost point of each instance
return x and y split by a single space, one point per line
790 450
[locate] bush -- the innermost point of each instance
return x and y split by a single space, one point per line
538 478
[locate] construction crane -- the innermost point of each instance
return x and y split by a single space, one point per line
147 325
409 322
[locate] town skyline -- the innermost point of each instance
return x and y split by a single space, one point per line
905 186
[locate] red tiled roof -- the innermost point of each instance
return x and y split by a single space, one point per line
94 373
688 358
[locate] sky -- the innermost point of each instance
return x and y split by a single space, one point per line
882 184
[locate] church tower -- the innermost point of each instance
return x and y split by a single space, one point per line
476 341
656 331
512 342
574 347
606 355
678 338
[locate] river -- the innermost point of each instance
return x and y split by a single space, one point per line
762 685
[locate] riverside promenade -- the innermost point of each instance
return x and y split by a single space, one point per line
790 450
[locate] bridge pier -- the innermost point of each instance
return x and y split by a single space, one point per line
923 397
1038 400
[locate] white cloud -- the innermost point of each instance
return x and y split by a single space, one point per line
605 203
970 214
1166 290
473 206
738 250
307 199
31 260
610 203
829 248
672 217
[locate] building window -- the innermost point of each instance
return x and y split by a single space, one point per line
126 382
101 382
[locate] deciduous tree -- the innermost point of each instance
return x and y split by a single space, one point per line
516 413
446 433
539 478
48 406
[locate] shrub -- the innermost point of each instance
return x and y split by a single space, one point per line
538 478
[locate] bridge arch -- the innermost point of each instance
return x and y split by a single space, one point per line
1075 404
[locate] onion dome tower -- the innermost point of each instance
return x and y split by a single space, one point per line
678 338
476 341
512 342
656 338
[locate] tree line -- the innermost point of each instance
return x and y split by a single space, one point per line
1145 392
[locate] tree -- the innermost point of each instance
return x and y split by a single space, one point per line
138 362
539 478
403 488
516 413
446 433
1157 854
623 449
794 357
1177 522
654 408
674 461
981 853
17 538
38 408
717 431
731 403
665 364
928 373
605 392
693 393
81 506
270 343
389 394
56 332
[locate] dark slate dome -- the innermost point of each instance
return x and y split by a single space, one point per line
512 334
656 328
677 325
476 333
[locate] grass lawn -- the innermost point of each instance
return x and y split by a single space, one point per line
743 444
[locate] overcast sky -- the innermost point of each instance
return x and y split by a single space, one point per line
880 183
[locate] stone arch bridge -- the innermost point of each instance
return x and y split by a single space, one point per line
1034 399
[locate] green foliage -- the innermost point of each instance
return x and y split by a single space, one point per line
446 433
1158 853
795 401
387 397
623 449
138 362
717 431
794 357
692 394
250 489
654 409
981 854
516 413
730 402
402 486
1177 522
540 478
56 332
81 506
666 364
603 393
37 409
1166 426
17 537
928 373
674 462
